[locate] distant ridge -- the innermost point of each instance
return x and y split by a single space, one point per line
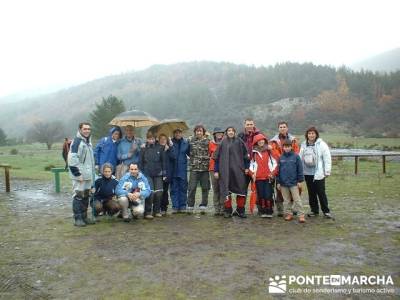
388 61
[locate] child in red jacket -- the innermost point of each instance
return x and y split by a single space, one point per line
263 169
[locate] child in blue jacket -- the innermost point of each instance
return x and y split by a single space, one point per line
290 177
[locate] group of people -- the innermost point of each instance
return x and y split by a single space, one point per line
137 177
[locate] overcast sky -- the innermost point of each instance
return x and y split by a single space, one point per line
47 43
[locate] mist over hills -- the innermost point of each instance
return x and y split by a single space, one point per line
221 94
388 61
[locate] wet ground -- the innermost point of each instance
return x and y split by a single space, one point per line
181 256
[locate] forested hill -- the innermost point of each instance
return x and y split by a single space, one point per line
224 93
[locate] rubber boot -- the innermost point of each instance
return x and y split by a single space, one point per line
77 210
228 207
85 202
240 203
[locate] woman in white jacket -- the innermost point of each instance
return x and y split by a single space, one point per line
316 158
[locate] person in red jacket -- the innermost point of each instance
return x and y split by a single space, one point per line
264 169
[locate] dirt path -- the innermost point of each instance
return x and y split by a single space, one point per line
180 256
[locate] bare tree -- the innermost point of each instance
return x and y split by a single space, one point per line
46 132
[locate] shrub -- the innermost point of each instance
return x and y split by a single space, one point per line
14 151
49 167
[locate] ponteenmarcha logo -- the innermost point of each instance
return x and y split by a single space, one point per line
277 285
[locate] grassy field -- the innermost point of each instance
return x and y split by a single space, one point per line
190 257
340 140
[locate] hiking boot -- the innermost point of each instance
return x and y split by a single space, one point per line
269 216
189 210
263 216
149 217
158 215
241 215
312 214
227 214
89 221
182 211
302 219
328 216
163 213
289 217
203 209
127 220
79 223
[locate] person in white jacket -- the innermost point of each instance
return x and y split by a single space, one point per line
316 158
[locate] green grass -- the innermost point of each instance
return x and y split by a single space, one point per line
342 140
31 161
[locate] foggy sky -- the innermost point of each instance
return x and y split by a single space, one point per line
51 43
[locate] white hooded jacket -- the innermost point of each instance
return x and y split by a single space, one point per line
323 162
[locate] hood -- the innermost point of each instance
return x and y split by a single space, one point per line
114 129
258 138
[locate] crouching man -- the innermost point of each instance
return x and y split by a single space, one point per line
132 190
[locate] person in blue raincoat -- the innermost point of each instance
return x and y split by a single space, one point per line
178 172
106 150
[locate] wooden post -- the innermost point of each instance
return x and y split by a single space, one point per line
356 164
57 181
7 173
384 164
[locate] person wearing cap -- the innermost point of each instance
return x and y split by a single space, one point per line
275 144
199 161
231 168
218 201
178 172
289 179
264 169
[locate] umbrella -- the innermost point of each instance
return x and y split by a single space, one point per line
168 126
136 118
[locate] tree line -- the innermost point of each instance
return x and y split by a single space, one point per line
221 94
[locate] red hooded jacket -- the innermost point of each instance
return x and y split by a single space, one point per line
266 161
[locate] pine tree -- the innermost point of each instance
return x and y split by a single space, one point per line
104 112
